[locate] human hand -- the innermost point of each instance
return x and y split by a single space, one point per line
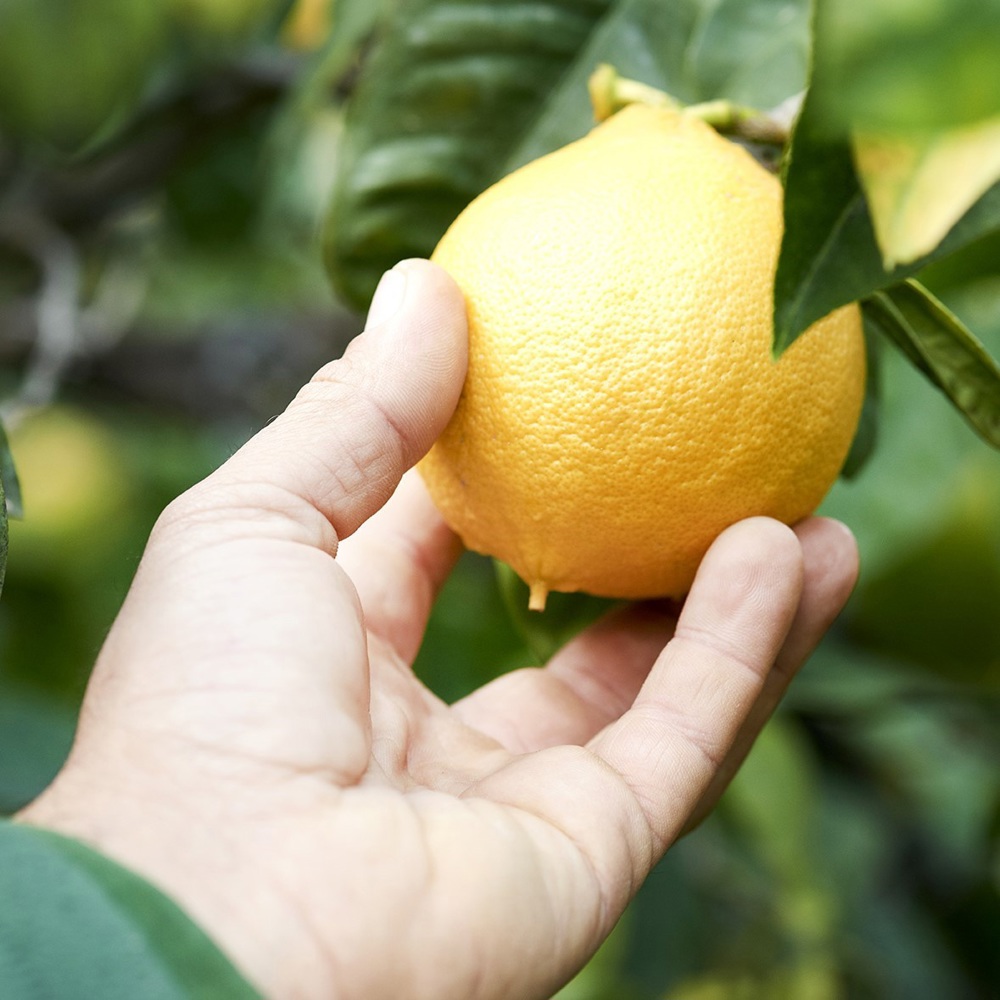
254 742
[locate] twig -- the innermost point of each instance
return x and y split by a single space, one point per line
610 92
57 311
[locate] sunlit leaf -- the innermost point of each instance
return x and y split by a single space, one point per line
829 255
816 978
919 184
10 498
915 64
937 343
773 799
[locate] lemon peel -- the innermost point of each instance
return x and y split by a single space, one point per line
622 405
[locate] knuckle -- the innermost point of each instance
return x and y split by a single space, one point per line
368 449
219 511
727 649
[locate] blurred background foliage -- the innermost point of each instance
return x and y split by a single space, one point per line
166 174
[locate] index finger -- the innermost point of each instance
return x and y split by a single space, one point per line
398 561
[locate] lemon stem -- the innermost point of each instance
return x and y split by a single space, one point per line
610 92
538 596
736 119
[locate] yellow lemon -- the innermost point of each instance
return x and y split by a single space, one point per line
622 406
76 491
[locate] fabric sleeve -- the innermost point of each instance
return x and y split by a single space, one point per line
74 924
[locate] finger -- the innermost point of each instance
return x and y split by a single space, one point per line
240 632
830 561
398 561
676 736
338 452
584 687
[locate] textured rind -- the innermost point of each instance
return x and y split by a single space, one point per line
622 406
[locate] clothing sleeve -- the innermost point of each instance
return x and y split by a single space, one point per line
75 925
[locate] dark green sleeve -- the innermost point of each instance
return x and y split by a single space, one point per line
74 924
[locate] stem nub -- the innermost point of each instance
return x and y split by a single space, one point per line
610 92
537 597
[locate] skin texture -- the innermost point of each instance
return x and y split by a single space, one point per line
254 742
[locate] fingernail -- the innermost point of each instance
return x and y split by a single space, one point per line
387 299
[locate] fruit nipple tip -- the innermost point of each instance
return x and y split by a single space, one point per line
537 597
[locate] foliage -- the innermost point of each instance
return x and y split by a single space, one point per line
457 95
162 294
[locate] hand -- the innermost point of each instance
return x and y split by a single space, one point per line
254 741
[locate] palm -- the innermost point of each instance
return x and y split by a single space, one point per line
459 868
488 822
366 817
255 742
500 852
478 818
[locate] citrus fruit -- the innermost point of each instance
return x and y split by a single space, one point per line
308 24
64 82
622 405
75 488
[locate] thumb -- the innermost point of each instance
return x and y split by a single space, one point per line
345 441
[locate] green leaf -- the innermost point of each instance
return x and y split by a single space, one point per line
565 615
3 536
602 977
10 499
753 53
354 22
773 799
829 255
74 924
441 100
36 732
9 484
919 184
60 87
923 451
866 436
459 93
935 604
918 64
940 346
